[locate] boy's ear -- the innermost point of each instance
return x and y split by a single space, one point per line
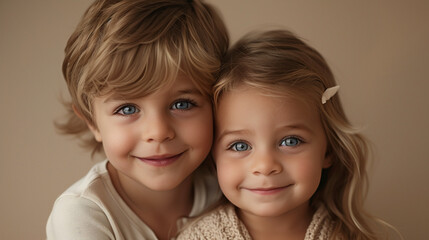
92 128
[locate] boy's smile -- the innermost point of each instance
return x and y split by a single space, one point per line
158 140
160 160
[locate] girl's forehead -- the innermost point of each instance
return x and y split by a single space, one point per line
282 93
249 109
275 101
261 97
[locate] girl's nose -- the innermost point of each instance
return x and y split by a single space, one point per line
266 164
158 128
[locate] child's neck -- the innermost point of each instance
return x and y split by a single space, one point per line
157 209
291 225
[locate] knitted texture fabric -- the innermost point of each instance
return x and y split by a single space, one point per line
223 224
220 224
321 226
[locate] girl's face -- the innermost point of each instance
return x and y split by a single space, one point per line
269 152
156 141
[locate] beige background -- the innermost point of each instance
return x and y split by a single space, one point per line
378 50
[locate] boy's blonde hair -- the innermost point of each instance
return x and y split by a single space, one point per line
280 64
133 48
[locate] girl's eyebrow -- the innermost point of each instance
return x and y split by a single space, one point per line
227 132
233 132
299 126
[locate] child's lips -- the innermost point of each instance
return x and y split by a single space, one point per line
161 160
267 190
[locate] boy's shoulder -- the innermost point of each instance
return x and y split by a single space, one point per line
95 180
220 223
80 211
206 191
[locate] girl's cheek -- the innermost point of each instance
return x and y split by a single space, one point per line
305 169
226 170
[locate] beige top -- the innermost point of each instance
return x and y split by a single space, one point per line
223 224
92 209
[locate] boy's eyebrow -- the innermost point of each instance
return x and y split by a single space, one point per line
114 97
190 91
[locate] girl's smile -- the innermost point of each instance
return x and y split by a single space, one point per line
269 152
266 190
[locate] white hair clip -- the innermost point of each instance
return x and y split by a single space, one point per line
329 92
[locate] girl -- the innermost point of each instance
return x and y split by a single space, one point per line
140 75
287 158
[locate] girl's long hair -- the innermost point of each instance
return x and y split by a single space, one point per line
279 63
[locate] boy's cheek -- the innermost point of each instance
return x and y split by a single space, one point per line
96 133
199 131
116 143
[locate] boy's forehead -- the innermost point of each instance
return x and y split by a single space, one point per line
180 85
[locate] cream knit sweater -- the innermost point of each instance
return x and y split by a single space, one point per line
223 224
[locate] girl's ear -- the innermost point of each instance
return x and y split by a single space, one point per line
327 161
91 127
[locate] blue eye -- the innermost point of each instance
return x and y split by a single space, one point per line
182 105
290 142
127 110
240 146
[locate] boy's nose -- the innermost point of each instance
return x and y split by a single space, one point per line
266 164
158 129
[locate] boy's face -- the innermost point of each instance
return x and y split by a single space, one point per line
269 153
156 141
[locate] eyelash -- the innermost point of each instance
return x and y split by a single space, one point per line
231 146
120 108
300 140
187 100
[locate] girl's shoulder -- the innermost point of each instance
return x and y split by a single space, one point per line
321 225
220 223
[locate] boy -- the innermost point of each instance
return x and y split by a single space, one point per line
140 75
